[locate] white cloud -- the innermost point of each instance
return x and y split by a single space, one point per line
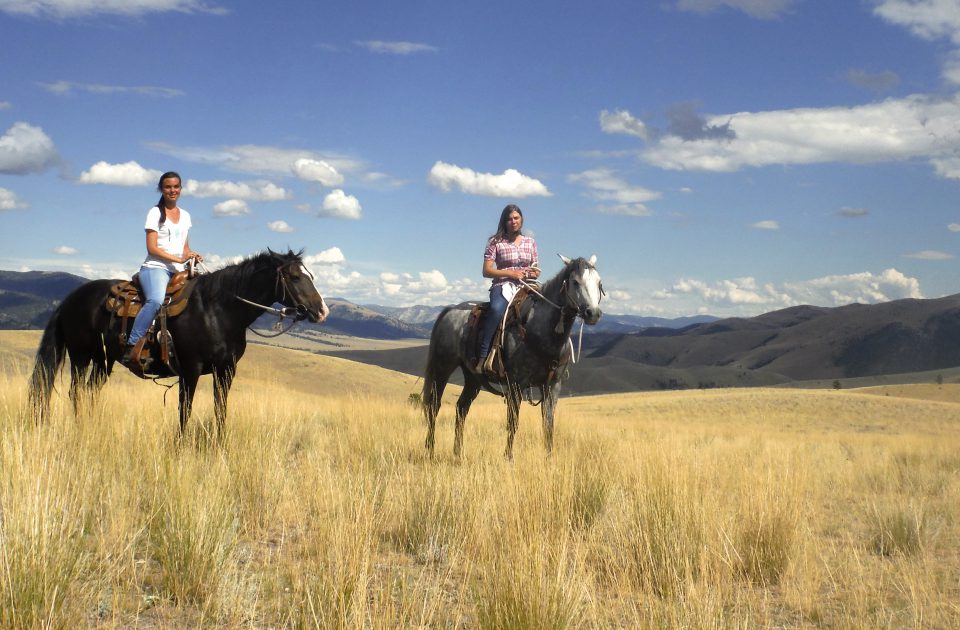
252 191
255 159
65 88
279 226
895 129
5 105
761 9
766 225
10 201
510 183
929 19
746 295
623 122
231 208
929 254
78 8
320 171
65 250
618 196
954 227
126 174
332 256
26 149
396 48
340 205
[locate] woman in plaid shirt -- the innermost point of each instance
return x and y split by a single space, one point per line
510 258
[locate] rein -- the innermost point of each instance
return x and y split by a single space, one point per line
574 353
298 313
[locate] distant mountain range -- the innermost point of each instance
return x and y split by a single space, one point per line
630 353
27 300
802 343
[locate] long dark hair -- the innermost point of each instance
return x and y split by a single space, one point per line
504 217
163 209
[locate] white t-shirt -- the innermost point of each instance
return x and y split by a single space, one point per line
171 238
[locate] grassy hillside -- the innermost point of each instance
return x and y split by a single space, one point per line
737 508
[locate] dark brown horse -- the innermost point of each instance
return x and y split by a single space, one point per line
534 351
209 336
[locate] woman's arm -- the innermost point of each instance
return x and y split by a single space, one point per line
490 271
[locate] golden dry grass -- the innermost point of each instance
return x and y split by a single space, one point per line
699 509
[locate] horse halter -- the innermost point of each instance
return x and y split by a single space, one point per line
299 311
574 305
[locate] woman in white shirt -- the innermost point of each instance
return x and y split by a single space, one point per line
168 248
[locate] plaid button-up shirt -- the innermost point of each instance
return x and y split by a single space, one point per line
506 255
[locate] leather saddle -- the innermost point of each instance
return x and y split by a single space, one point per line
472 339
155 353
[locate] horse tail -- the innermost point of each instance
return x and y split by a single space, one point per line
50 357
429 396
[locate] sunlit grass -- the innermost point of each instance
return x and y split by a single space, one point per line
719 509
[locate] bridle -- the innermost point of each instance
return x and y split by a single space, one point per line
298 313
570 304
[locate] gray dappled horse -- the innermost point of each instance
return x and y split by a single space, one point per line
534 353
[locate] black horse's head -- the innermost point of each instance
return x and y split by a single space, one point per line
583 288
295 287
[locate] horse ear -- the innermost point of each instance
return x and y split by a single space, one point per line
565 260
593 261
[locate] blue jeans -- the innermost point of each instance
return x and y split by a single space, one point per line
498 306
154 283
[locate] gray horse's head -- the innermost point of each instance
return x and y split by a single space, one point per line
584 289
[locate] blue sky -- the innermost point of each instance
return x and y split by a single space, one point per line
728 157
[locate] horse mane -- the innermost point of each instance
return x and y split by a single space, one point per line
553 285
234 277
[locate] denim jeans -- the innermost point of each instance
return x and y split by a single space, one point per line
154 283
498 306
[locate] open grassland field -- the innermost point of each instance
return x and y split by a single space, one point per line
773 508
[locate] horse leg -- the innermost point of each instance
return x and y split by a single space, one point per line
512 395
549 395
222 380
430 399
471 388
188 387
79 363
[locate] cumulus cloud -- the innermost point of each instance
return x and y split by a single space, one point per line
231 208
954 227
260 160
395 48
65 250
510 183
339 205
929 19
126 174
896 129
766 225
10 201
332 256
279 226
760 9
929 254
26 149
623 122
615 195
748 295
60 9
249 191
65 88
313 170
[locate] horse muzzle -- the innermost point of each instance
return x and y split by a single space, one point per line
591 315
